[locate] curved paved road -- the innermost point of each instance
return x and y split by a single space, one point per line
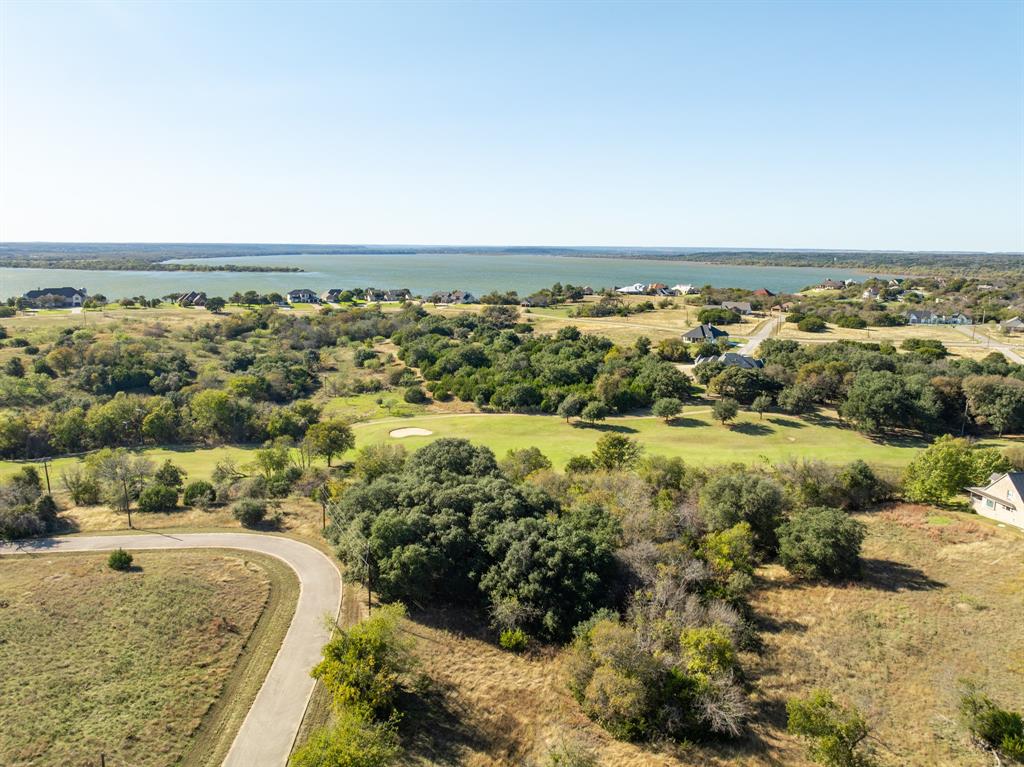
269 729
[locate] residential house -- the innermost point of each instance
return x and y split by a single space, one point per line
684 290
705 332
733 360
192 298
332 296
870 294
832 285
1002 499
659 289
740 307
302 296
764 293
1014 325
452 297
636 289
925 317
47 298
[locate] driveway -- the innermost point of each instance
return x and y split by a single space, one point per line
755 340
268 732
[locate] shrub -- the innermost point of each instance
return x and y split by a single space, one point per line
811 325
364 666
353 740
570 755
718 316
170 475
821 543
851 321
157 497
83 488
616 451
514 640
519 464
200 494
119 559
579 464
834 732
250 512
997 728
415 395
947 466
736 496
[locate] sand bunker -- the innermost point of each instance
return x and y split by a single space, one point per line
410 432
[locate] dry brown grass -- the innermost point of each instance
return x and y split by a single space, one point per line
132 664
942 598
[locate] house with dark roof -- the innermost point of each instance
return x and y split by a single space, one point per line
56 297
192 298
705 332
763 293
1002 499
302 296
332 296
452 297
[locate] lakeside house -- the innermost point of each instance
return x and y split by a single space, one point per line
832 285
925 317
192 298
733 360
56 298
1002 499
740 307
636 289
302 296
452 297
705 332
871 294
764 293
377 295
684 290
332 296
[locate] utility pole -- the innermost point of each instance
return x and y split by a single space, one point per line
46 471
127 501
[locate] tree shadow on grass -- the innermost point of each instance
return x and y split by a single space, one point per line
684 421
886 575
899 439
787 423
752 429
437 727
605 427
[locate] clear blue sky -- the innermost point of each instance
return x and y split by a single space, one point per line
859 125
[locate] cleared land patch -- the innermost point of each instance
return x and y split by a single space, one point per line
134 664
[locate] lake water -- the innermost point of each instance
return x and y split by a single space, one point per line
422 273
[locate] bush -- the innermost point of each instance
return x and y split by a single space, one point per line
514 640
718 316
119 559
353 740
851 321
250 512
579 464
415 395
156 498
570 755
83 488
821 543
949 465
200 494
997 728
834 732
812 325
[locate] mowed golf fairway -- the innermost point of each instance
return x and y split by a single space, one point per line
694 437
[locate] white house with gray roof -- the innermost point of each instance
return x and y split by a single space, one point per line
1002 499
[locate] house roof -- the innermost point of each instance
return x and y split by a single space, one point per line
763 292
1016 479
1013 322
65 292
733 360
743 306
703 332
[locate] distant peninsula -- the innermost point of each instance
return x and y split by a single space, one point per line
166 256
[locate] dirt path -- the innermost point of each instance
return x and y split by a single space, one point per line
268 732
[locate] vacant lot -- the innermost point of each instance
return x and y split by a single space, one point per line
133 664
942 598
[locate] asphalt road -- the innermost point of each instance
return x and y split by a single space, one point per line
763 333
268 732
992 344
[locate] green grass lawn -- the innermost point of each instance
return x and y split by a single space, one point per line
199 462
695 437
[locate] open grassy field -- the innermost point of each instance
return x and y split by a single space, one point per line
695 437
940 600
954 340
157 666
